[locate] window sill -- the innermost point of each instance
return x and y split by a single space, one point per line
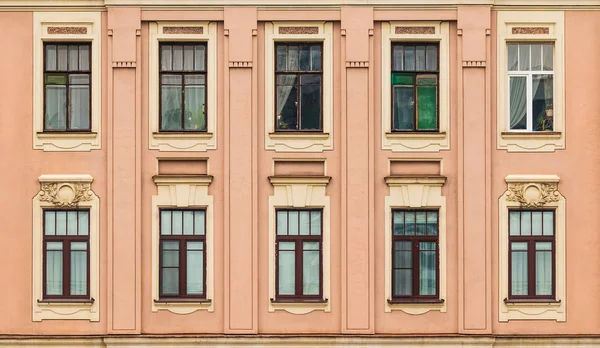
299 306
66 301
531 135
182 306
415 301
532 302
299 135
291 301
182 135
67 135
415 135
183 300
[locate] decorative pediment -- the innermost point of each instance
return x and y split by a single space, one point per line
532 191
65 191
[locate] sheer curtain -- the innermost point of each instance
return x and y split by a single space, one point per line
518 102
310 268
284 87
427 260
54 276
519 269
543 268
287 268
78 268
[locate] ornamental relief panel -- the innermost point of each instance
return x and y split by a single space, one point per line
532 195
65 195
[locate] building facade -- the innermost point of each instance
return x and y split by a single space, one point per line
308 172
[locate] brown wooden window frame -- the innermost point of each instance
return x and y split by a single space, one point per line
66 241
417 74
68 72
182 261
531 241
298 257
298 85
182 73
415 254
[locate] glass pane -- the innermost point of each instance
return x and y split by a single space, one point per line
293 223
170 281
409 58
513 57
421 220
310 107
398 223
188 57
515 223
409 227
518 102
199 222
195 271
170 254
282 223
310 269
407 79
56 107
432 56
177 57
80 107
61 223
84 224
287 101
166 59
78 269
54 246
62 57
427 107
432 220
315 223
54 268
404 108
165 222
315 57
171 79
49 223
195 116
397 57
84 57
312 79
287 269
543 97
548 223
536 57
543 272
304 223
196 79
304 58
526 223
536 223
427 267
79 79
73 57
524 57
402 282
199 58
50 57
420 57
402 254
188 222
171 107
281 58
177 222
548 57
72 223
519 272
519 246
293 58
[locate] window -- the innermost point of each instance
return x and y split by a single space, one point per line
415 75
415 258
66 254
299 81
182 253
299 256
531 254
183 87
531 86
67 88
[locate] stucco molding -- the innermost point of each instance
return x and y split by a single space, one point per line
415 192
300 192
532 191
183 191
410 31
65 191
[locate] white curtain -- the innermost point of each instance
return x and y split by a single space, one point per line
80 107
54 276
78 268
543 268
284 87
518 100
287 268
427 260
195 268
519 284
310 269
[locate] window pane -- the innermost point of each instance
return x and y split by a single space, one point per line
409 227
427 107
72 223
409 58
188 57
84 57
78 268
526 223
402 254
170 281
397 58
398 223
84 224
188 222
304 223
515 223
61 223
56 107
310 107
519 271
420 57
73 57
315 223
195 118
177 223
548 57
171 107
166 58
404 108
282 223
536 222
402 282
287 267
170 254
432 56
293 223
293 58
281 58
548 223
199 222
427 267
310 268
543 95
62 57
199 58
432 221
304 58
315 57
287 101
524 57
421 219
80 107
177 57
543 271
536 57
49 223
195 269
518 102
165 222
50 57
54 268
513 57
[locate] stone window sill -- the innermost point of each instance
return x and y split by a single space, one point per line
67 135
188 301
531 135
415 135
182 135
74 302
300 301
299 135
415 301
532 302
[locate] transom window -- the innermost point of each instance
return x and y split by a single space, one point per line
531 254
298 86
299 255
415 75
67 88
531 86
66 254
182 259
183 87
415 255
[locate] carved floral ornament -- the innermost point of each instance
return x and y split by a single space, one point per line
66 194
532 195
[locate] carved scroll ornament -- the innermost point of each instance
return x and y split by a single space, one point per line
533 195
64 195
